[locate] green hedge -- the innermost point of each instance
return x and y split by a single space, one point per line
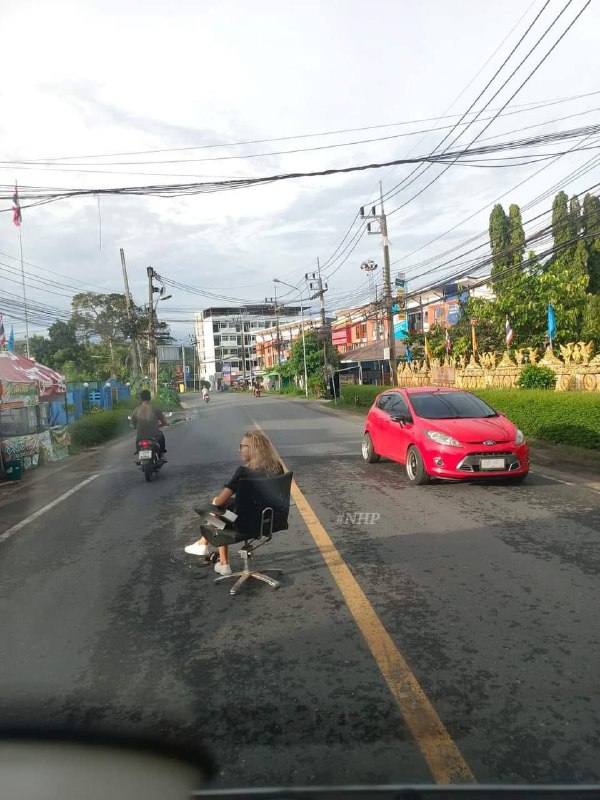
571 418
98 427
361 395
562 417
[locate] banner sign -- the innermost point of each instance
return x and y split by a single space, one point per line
28 449
19 394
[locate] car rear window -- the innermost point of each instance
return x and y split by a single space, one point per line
450 405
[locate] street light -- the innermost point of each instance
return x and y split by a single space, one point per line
299 289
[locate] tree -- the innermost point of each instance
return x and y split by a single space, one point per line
564 285
517 235
591 230
561 231
294 366
590 328
60 347
499 230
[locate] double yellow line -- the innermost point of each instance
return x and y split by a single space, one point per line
443 757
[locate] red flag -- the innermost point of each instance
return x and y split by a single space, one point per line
448 342
16 207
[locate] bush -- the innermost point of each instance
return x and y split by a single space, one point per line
360 395
534 377
93 429
571 418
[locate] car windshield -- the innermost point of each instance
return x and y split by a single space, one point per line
450 405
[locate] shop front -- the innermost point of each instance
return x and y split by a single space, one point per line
29 393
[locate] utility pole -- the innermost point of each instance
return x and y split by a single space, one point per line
134 342
152 349
243 346
316 285
278 339
387 279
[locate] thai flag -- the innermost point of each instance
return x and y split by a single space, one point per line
448 342
2 333
509 334
16 207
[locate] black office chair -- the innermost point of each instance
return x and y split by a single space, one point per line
262 506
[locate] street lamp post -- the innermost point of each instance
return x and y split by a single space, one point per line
299 289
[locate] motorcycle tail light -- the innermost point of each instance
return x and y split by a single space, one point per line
144 443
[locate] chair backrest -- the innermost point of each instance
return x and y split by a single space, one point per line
253 496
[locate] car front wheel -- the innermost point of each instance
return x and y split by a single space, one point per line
415 468
368 451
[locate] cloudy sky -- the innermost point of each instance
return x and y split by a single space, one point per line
92 90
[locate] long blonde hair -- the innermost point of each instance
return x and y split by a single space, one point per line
262 453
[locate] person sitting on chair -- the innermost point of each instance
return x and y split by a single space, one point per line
260 460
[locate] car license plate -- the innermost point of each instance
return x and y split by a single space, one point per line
145 454
492 463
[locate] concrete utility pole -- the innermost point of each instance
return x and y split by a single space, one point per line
276 309
316 284
152 348
387 279
135 368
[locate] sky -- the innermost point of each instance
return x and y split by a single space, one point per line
87 83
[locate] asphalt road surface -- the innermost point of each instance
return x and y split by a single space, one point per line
453 637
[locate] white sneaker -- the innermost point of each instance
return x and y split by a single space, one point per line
197 549
223 569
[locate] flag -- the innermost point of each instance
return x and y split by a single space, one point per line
428 354
16 207
509 333
551 322
448 342
2 334
408 354
11 340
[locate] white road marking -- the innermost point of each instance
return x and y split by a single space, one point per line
551 478
16 528
593 486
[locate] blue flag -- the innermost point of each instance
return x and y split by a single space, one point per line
551 322
408 354
11 341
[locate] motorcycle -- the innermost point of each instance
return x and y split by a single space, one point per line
148 454
206 397
257 391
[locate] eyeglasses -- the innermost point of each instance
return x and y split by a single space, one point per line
244 445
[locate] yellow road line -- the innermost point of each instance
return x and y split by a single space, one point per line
443 757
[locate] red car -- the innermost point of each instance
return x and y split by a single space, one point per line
443 433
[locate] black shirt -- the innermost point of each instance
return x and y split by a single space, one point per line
245 472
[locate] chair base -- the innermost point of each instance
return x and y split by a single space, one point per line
245 574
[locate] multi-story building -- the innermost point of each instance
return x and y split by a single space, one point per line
361 326
226 340
274 344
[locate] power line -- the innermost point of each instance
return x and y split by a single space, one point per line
528 78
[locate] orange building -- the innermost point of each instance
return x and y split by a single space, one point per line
357 327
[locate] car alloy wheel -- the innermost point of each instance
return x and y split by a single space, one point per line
415 468
368 451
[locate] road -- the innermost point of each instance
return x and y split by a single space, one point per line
456 635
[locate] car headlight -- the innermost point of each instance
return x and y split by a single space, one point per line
520 437
442 438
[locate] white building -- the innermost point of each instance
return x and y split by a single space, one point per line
226 340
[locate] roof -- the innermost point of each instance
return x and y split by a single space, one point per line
371 352
18 369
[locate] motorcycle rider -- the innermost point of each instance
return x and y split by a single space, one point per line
205 395
148 421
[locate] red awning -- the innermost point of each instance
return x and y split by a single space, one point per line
18 369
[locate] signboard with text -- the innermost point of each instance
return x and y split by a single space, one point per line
19 394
